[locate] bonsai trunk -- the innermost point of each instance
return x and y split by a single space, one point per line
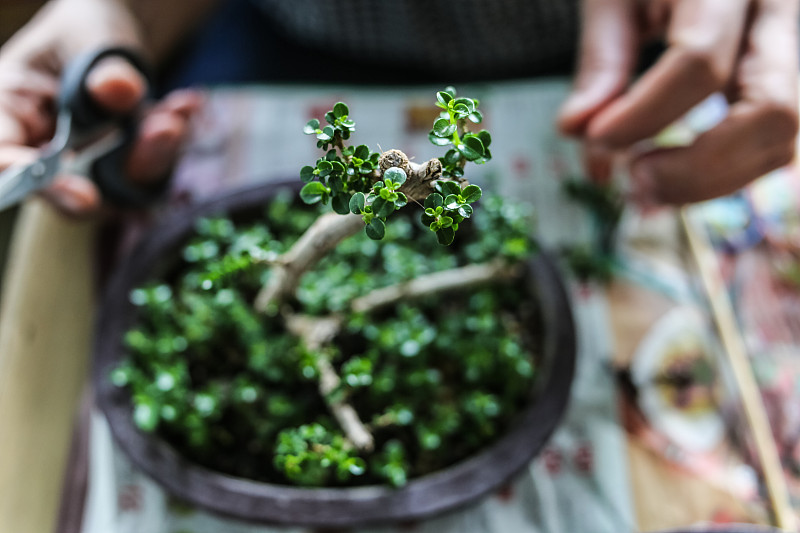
321 238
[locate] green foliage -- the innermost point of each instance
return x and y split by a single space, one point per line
435 381
595 260
450 130
448 207
349 178
314 456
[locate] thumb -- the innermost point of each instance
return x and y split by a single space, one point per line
609 40
116 85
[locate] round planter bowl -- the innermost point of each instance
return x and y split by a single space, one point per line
458 485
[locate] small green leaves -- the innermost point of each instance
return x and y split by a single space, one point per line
346 175
312 127
145 415
357 203
446 235
450 130
444 97
443 128
447 188
314 192
341 204
340 110
326 134
434 200
471 193
307 173
382 208
376 229
394 177
448 207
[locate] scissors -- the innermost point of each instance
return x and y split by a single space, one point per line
88 141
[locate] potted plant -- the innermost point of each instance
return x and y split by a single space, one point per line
260 358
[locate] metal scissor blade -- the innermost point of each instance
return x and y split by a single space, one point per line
20 181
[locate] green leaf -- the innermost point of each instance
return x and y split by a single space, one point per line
465 211
446 236
474 143
461 110
313 192
362 151
443 128
446 222
357 203
340 110
485 137
468 103
337 166
307 173
443 98
468 153
382 208
452 157
401 201
311 127
397 175
330 117
451 202
471 193
450 90
434 200
326 134
145 415
376 229
447 188
324 168
476 117
438 141
341 204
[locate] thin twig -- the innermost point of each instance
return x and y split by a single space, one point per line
443 281
316 332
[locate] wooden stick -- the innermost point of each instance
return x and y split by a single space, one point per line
45 336
736 351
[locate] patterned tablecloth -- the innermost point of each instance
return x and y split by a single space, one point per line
634 452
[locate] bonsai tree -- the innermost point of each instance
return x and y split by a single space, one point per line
218 354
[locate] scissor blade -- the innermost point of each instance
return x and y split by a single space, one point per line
18 182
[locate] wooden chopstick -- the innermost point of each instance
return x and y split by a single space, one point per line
736 352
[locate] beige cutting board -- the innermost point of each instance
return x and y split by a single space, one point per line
46 316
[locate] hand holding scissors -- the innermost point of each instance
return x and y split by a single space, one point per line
89 140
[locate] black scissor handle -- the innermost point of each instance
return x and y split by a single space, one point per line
86 115
74 96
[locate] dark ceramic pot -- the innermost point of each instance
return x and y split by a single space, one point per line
455 486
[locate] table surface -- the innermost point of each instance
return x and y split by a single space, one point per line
633 453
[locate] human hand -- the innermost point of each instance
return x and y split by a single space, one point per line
30 68
747 49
